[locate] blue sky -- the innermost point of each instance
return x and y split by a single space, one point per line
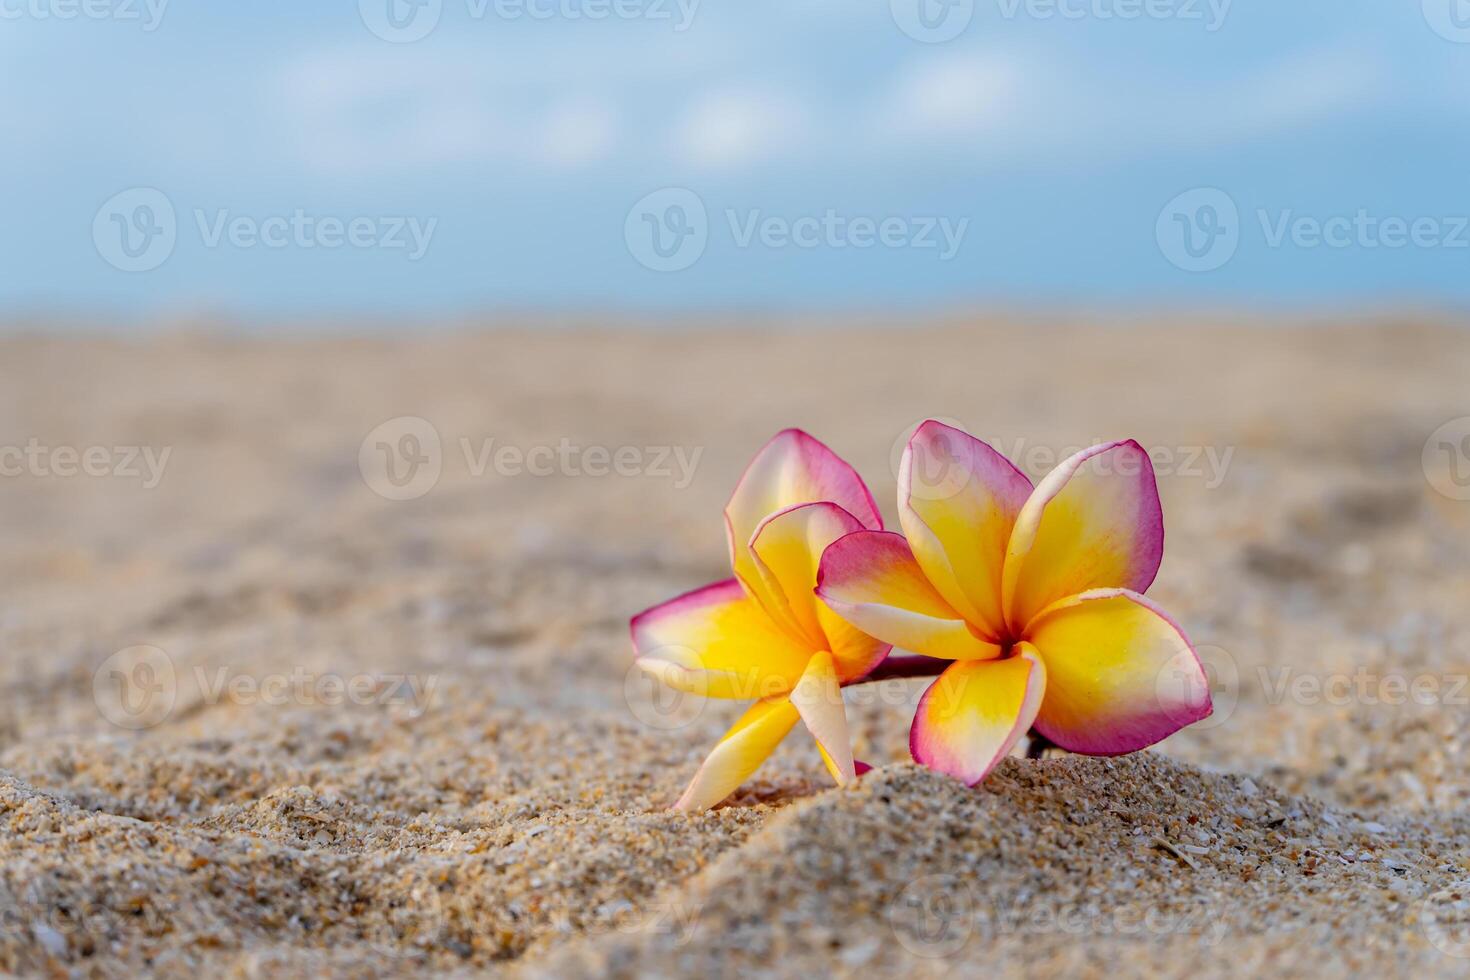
817 155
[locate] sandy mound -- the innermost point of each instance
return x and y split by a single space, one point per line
495 799
1127 865
1090 865
334 845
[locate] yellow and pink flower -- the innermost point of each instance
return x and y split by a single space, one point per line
1034 593
762 634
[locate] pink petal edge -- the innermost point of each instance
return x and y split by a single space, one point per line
725 590
1176 718
1024 718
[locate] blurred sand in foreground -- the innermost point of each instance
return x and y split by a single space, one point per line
375 735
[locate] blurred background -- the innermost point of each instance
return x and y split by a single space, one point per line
407 348
427 160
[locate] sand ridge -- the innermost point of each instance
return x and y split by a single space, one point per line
496 801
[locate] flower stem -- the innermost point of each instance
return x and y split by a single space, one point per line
906 665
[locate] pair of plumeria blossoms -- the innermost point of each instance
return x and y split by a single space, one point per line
1033 595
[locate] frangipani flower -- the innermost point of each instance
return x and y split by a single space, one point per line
763 634
1035 593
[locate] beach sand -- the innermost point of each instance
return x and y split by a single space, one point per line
260 720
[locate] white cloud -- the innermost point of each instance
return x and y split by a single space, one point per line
1034 102
737 126
1311 85
363 110
381 109
578 131
953 95
1306 87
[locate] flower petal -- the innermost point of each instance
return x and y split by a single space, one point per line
744 747
975 712
818 698
717 642
957 501
787 549
1121 675
858 765
793 468
1094 522
870 579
